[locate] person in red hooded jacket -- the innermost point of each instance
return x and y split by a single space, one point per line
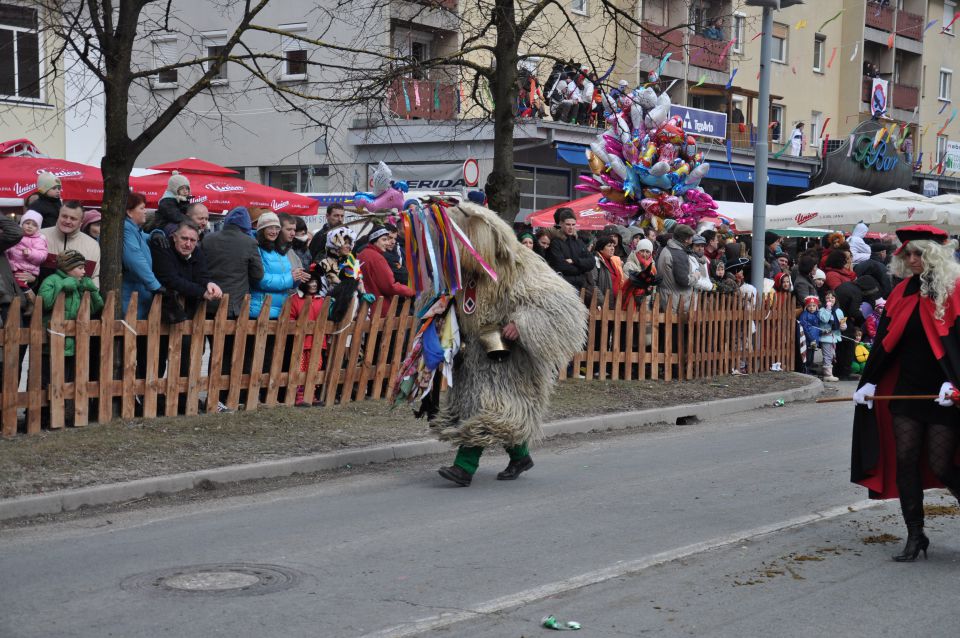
378 277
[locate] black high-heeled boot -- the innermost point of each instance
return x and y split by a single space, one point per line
917 541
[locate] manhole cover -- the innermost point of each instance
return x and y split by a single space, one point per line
223 579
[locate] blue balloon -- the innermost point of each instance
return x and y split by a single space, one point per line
401 186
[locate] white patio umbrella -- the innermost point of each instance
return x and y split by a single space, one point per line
838 212
833 188
905 195
946 198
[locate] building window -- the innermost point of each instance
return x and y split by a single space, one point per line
579 6
816 124
296 179
213 46
542 187
776 122
949 10
739 31
942 141
779 51
164 53
946 82
819 46
19 53
294 53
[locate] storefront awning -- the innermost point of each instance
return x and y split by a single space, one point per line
572 153
741 173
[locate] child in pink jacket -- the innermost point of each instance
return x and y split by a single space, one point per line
26 256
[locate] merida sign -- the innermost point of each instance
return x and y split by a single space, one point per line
877 157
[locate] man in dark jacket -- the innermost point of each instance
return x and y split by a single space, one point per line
318 245
233 260
876 267
47 202
568 255
850 295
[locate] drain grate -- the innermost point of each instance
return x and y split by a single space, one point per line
221 579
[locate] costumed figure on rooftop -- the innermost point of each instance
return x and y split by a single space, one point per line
646 166
495 321
901 447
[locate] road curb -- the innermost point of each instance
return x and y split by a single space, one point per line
72 499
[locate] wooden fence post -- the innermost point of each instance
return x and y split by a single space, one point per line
36 398
128 366
81 362
11 368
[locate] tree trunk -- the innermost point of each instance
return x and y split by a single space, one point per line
503 191
116 165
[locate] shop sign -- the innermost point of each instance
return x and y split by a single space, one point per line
432 177
951 162
700 122
930 187
879 157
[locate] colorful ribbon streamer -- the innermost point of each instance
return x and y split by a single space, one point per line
833 54
729 151
406 96
824 127
929 25
890 41
800 25
942 107
955 16
732 75
416 93
703 78
826 141
756 36
436 96
663 63
723 54
830 20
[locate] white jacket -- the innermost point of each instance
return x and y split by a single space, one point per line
858 247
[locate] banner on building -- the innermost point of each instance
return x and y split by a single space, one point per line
931 188
878 97
428 177
951 162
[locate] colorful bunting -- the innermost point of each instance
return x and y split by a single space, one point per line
830 20
943 106
703 78
663 63
826 141
800 25
416 93
436 95
732 75
833 54
955 16
890 42
756 36
406 96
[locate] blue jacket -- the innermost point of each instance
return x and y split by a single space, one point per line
137 269
277 282
830 325
810 322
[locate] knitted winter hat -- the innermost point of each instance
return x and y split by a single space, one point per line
268 220
811 300
645 244
682 232
91 216
819 274
70 259
32 216
46 181
176 182
339 236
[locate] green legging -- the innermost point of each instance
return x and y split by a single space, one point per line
468 458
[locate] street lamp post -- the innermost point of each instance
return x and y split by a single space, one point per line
761 150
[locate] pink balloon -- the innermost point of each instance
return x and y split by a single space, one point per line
390 198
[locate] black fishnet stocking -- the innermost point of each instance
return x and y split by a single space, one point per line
941 440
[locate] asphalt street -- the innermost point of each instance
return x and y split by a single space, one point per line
741 526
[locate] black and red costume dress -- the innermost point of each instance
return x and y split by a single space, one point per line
913 354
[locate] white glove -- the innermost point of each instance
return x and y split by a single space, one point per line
860 396
947 391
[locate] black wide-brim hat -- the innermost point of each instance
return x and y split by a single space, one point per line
741 264
920 232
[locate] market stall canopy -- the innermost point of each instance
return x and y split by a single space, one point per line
904 194
18 178
908 211
586 209
220 193
802 232
833 188
193 165
838 212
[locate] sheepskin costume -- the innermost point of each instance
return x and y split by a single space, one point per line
502 403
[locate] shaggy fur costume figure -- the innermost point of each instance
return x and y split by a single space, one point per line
503 403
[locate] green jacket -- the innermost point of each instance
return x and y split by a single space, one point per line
60 282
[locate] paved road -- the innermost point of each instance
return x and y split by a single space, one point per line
736 527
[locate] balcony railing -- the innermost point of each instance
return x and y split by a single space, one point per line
910 25
664 42
437 101
905 97
705 53
879 17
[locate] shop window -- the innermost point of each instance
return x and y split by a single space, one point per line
542 187
776 122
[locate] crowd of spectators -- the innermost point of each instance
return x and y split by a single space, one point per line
53 251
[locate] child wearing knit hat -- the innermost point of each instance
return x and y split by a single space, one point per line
70 281
25 257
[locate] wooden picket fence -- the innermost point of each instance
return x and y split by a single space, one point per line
100 382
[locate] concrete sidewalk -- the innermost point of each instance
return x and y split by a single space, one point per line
68 500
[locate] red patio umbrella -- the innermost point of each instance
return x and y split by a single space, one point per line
194 165
589 215
222 192
18 176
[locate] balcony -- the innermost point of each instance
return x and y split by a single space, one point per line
910 25
427 109
905 97
879 17
706 53
665 41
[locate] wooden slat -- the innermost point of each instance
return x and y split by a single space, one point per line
128 365
56 329
616 354
360 327
338 344
215 374
402 338
242 327
154 329
259 349
280 329
295 377
11 368
109 328
81 362
35 394
320 328
174 354
195 371
388 335
374 344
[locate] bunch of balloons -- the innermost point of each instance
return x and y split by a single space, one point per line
386 194
645 166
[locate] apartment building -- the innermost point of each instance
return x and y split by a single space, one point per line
31 100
